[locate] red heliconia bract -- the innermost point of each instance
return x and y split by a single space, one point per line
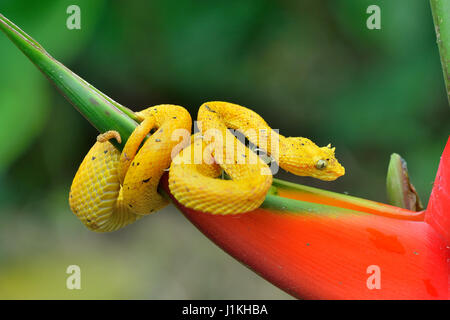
438 211
341 251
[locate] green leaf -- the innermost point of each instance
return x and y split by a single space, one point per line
441 17
31 110
100 110
400 191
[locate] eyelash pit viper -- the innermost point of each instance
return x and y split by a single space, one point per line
112 189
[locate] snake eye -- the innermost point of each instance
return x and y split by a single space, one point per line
321 164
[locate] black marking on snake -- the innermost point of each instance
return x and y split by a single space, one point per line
93 158
137 164
209 109
106 151
130 205
146 180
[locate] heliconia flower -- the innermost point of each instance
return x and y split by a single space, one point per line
315 244
312 243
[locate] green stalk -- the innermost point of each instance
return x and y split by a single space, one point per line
101 111
441 17
105 114
343 200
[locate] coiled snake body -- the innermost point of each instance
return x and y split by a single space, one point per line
112 189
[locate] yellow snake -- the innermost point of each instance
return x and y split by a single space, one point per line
112 189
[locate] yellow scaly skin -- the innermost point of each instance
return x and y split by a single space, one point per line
111 190
195 186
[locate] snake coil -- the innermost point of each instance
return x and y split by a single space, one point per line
112 189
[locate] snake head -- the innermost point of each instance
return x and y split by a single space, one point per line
303 157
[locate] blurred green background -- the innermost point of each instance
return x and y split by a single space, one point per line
310 68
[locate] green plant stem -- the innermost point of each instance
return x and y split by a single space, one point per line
101 111
441 17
